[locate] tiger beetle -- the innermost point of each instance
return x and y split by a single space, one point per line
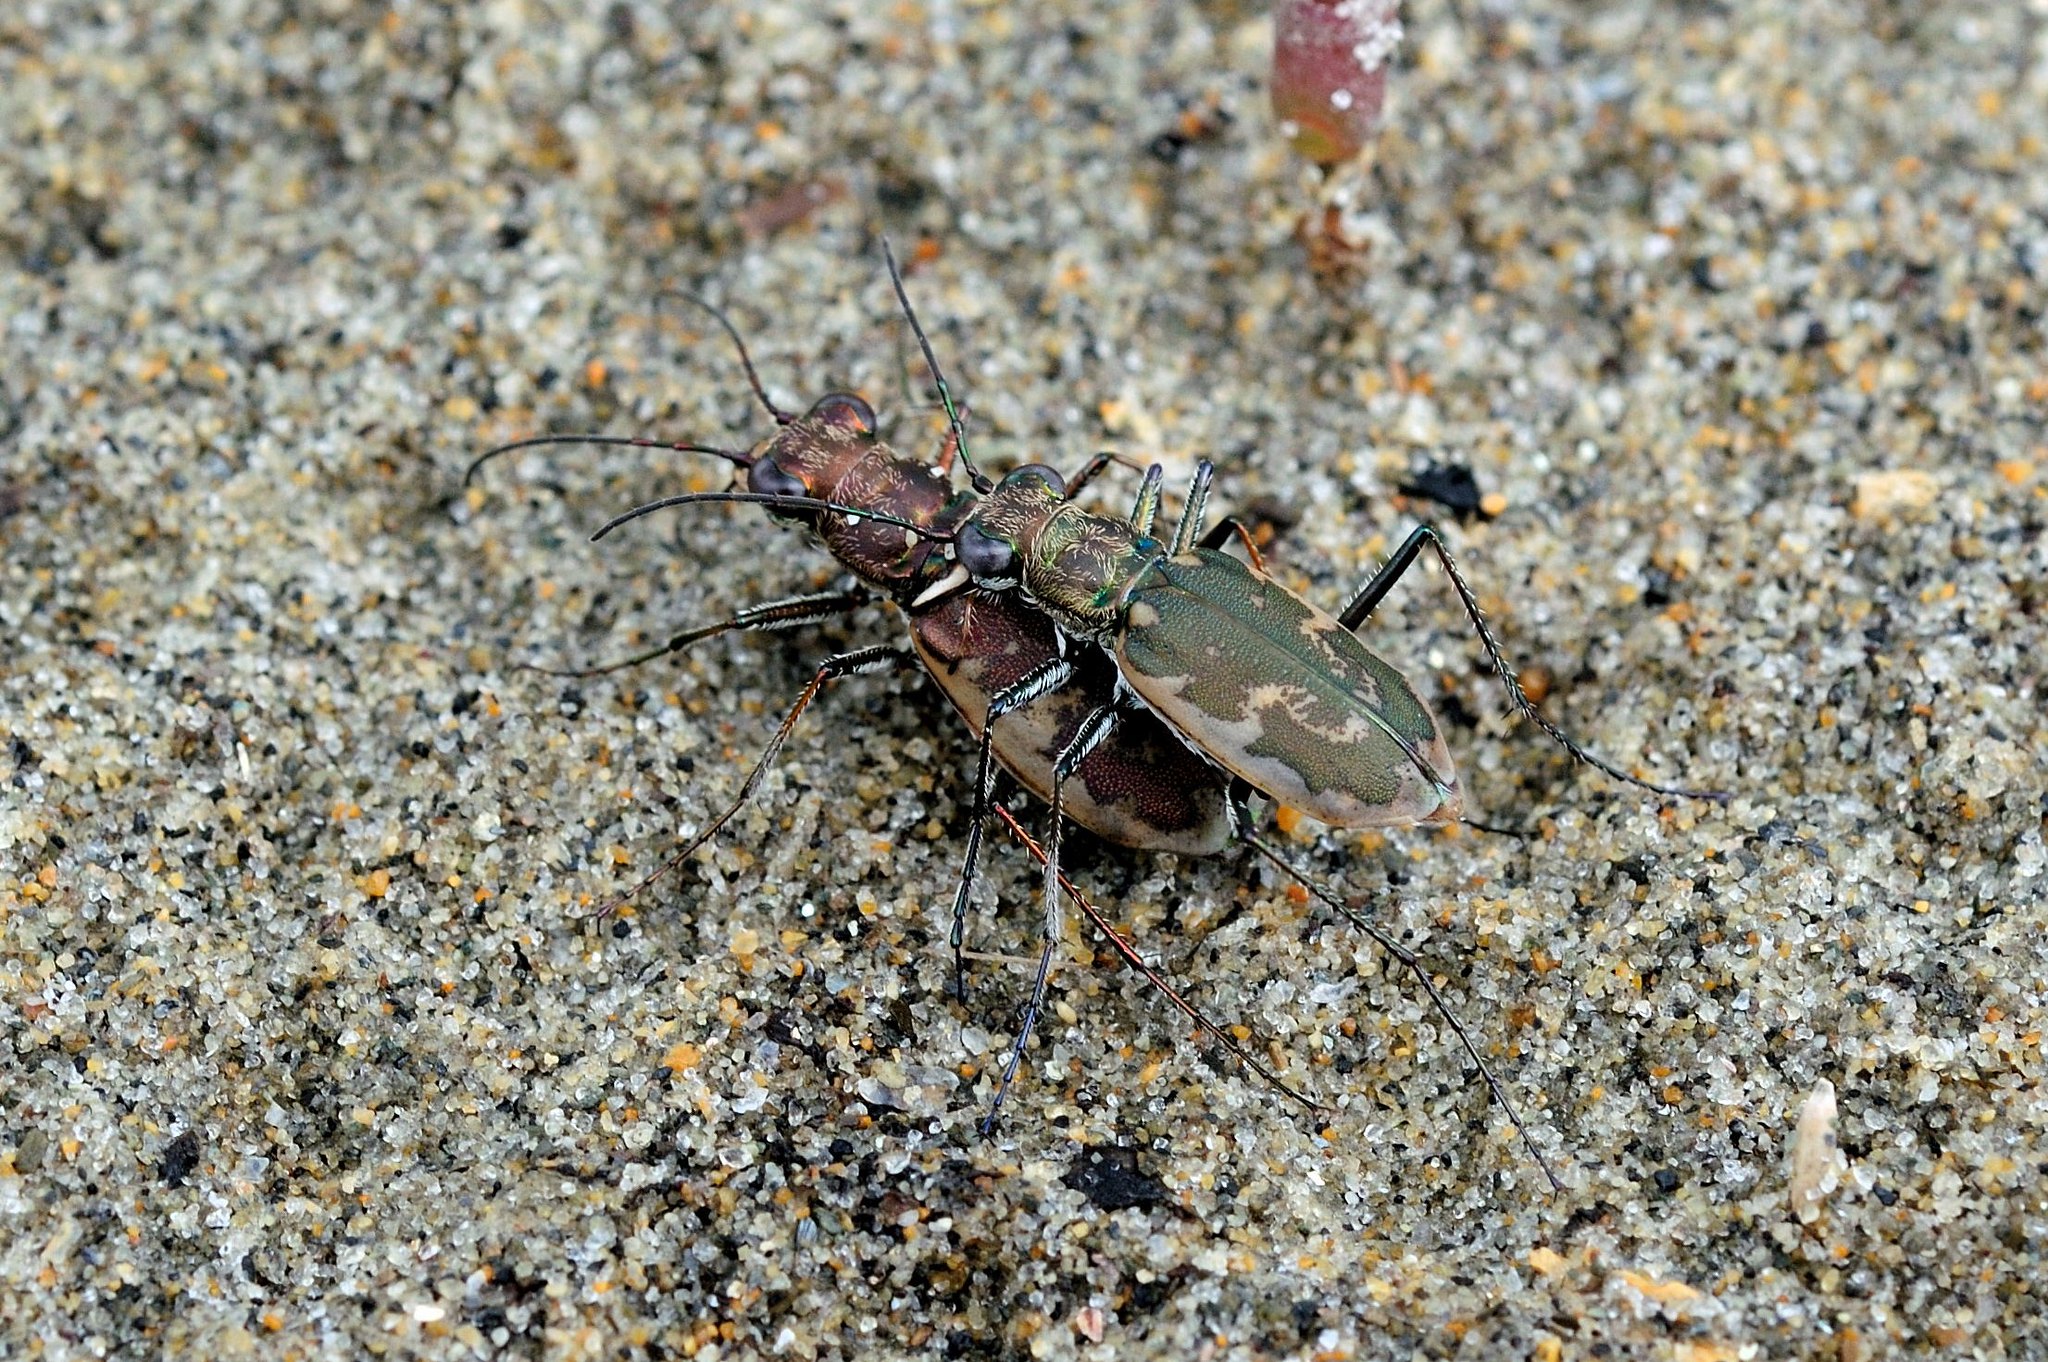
1281 698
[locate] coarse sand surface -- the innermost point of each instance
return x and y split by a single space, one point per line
1723 325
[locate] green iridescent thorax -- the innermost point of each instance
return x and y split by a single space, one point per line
1072 564
1078 564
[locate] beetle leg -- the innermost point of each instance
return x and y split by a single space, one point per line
1131 956
1089 471
1090 735
1146 510
949 447
1191 511
1220 534
1048 676
1093 468
831 669
785 614
1368 599
1241 818
1499 829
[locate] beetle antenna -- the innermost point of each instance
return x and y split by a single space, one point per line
782 418
732 456
975 476
852 513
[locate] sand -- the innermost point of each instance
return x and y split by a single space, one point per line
314 1046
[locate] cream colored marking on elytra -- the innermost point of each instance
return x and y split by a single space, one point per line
1314 626
1298 702
1422 795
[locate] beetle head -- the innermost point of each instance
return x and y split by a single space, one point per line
809 456
992 543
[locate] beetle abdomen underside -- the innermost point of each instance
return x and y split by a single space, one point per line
1281 694
1142 788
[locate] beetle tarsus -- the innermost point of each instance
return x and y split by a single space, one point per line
1130 955
1374 591
1094 730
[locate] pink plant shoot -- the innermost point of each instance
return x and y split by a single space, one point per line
1330 72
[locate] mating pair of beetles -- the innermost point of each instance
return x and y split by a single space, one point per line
1144 687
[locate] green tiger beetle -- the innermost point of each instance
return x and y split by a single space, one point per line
1061 720
1281 698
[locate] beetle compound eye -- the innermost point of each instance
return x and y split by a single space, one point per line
1039 474
982 554
768 478
846 411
